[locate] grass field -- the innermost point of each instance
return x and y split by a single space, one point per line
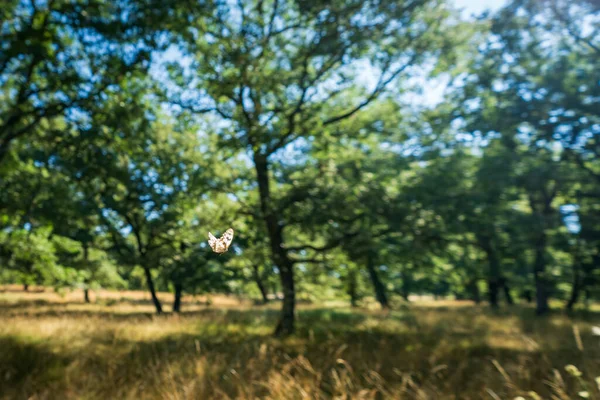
54 347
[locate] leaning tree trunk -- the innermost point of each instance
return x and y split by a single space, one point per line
260 284
539 270
378 286
177 297
152 290
279 255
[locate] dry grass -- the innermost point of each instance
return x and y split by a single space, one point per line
54 347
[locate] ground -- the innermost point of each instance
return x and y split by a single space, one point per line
54 347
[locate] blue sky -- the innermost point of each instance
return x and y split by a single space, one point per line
433 89
471 7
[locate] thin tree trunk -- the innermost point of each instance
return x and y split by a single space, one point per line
539 269
493 280
279 255
406 284
260 284
577 282
473 290
26 287
380 293
150 284
575 291
86 257
543 211
587 298
507 295
177 297
352 286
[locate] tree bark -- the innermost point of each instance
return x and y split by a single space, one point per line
260 284
279 255
150 284
177 297
378 286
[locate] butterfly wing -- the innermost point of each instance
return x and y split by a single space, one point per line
227 238
212 241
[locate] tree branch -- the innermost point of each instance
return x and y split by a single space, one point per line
379 88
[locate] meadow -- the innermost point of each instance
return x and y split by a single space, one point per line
54 346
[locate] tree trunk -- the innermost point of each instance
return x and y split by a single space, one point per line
539 269
494 270
279 255
259 283
150 284
86 256
507 296
473 290
380 293
527 296
26 287
177 298
574 295
285 326
352 285
577 283
406 284
588 298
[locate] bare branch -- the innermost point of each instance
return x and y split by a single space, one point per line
379 88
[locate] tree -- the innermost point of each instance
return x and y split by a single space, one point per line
283 74
58 57
533 93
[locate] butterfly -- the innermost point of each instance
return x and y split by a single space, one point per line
222 244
